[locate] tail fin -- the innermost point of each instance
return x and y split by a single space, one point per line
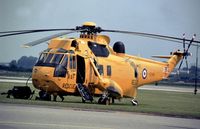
174 60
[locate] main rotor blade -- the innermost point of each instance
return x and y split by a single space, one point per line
15 31
163 37
191 41
19 32
184 42
48 38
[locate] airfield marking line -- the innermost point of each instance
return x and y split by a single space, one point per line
46 124
14 81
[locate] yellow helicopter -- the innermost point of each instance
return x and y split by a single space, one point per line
89 67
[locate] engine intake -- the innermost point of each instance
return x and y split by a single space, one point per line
119 47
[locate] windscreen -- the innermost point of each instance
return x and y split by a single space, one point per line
50 59
57 58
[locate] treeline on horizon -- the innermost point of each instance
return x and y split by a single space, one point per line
24 64
184 76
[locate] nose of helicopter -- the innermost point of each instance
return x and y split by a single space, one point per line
42 78
42 72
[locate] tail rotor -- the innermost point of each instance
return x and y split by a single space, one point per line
186 53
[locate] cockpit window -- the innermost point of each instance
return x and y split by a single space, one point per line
57 58
98 49
65 61
42 57
49 57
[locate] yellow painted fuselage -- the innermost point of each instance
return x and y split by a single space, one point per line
68 62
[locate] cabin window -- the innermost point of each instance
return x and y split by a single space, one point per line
109 71
100 69
72 62
57 58
98 49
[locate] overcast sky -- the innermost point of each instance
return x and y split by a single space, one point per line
168 17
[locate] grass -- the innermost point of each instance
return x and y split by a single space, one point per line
152 102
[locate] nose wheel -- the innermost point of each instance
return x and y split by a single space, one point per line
43 96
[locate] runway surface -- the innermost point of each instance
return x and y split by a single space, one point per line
168 88
39 117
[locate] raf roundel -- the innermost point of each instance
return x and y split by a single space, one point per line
144 73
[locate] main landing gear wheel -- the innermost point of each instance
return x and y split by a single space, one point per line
43 96
134 102
105 101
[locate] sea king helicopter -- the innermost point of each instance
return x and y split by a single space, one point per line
89 66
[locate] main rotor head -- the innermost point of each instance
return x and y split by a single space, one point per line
89 28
